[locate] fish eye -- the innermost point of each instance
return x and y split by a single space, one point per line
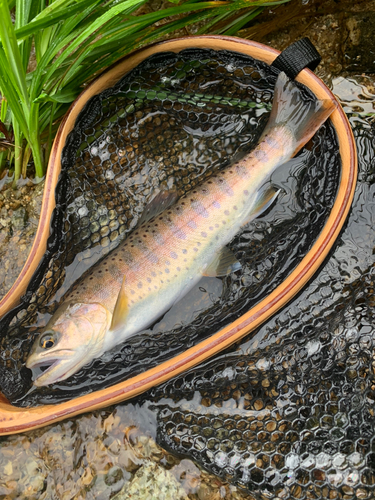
47 341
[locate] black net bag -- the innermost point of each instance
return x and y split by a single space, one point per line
289 413
172 121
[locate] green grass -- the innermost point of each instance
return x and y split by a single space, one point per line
70 41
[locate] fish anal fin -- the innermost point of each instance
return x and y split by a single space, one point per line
158 204
223 264
120 311
265 198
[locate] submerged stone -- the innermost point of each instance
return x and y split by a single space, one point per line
152 481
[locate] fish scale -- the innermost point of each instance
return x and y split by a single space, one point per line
169 253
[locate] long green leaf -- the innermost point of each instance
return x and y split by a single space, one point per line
25 9
39 79
41 23
12 53
8 90
65 96
74 39
114 11
232 27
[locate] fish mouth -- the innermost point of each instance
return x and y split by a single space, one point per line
45 368
49 371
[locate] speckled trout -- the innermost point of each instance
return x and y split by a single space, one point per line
176 243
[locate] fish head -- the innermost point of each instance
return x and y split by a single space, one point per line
72 338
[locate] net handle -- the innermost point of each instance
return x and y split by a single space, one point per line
298 56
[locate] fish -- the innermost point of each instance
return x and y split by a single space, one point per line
178 241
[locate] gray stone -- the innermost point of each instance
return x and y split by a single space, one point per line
359 47
19 218
152 481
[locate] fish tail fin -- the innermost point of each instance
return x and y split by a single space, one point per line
302 117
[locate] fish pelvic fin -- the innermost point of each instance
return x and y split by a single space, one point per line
224 263
289 109
121 309
265 198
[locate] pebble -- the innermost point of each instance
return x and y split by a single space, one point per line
152 481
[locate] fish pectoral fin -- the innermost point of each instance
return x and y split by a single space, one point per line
265 198
120 311
223 264
158 204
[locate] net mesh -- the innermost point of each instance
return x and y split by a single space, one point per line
289 413
171 122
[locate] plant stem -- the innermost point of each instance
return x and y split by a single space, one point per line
25 160
18 138
3 114
37 156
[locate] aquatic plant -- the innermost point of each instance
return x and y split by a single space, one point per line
51 49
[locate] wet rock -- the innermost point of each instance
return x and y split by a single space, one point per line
15 205
152 481
19 218
4 219
359 48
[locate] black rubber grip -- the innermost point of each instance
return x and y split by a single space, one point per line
301 54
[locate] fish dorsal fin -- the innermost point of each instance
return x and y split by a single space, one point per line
224 263
158 204
266 196
120 311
